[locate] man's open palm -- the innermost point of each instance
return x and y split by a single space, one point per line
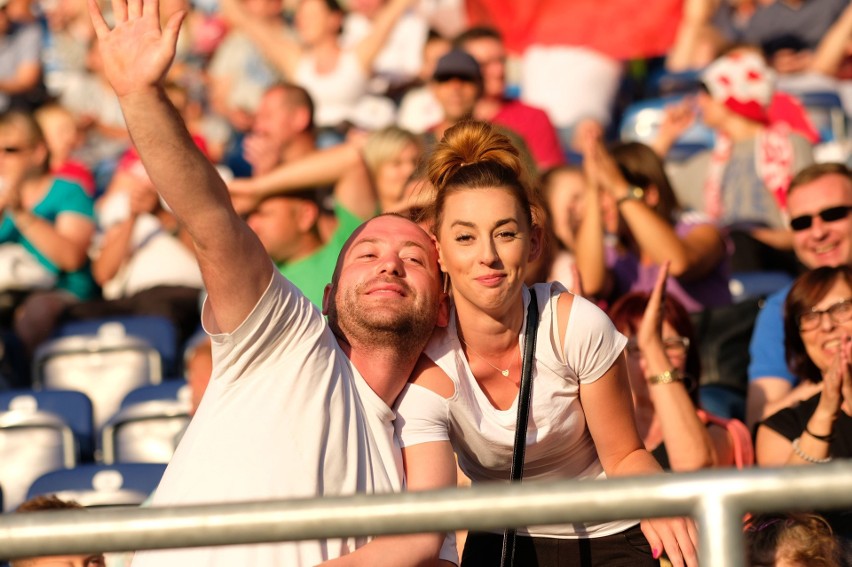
137 52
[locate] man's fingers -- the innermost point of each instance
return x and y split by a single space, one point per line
98 21
119 11
134 9
173 25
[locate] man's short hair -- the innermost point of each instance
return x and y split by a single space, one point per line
474 33
297 97
817 170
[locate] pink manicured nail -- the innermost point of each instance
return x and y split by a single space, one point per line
655 553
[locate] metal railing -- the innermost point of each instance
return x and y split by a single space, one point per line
717 499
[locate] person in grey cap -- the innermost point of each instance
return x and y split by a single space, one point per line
457 85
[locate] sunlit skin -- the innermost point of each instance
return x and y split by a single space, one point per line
824 243
392 175
457 97
822 343
389 271
566 200
636 363
315 22
491 56
484 244
66 561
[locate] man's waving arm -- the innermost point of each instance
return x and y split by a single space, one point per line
137 53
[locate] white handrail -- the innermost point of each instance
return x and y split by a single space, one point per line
716 498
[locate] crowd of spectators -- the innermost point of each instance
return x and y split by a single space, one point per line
320 115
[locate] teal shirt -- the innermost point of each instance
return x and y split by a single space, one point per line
312 273
62 197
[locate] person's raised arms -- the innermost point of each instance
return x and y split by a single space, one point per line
137 53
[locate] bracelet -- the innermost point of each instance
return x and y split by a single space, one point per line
633 194
666 377
827 438
805 457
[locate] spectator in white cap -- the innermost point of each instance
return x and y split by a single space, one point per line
742 182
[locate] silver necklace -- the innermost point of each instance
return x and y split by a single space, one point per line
505 372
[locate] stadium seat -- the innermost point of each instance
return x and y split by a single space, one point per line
175 389
160 332
74 408
145 432
641 123
92 485
105 366
32 442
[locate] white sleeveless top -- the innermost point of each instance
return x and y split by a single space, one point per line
335 93
559 445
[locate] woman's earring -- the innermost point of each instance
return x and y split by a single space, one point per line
446 278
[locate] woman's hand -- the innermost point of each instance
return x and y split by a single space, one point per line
678 537
650 331
832 383
244 196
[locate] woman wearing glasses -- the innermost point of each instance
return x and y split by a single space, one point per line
818 341
818 337
660 344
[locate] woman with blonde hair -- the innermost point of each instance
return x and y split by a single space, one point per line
464 395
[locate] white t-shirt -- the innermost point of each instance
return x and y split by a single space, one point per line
336 92
559 445
286 415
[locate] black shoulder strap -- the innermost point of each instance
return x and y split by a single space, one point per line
524 395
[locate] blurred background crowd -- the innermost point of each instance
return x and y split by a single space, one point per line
709 134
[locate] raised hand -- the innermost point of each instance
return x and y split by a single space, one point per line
137 52
650 331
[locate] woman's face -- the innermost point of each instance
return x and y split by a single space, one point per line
822 342
393 174
484 244
314 21
17 155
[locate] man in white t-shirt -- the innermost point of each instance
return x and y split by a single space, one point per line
296 407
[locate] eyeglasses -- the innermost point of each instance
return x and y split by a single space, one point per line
832 214
840 312
674 346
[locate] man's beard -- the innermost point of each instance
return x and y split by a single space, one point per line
405 327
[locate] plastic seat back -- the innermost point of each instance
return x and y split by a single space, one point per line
32 442
126 484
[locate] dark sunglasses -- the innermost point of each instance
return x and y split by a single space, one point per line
831 214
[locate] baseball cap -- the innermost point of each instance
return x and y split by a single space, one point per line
457 64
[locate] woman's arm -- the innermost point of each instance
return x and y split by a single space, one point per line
368 48
65 242
687 441
319 168
270 38
589 251
834 46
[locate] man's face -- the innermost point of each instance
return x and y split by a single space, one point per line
824 243
387 291
280 224
491 56
457 96
276 119
68 561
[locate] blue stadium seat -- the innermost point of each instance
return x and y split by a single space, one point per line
125 484
174 389
641 123
32 442
105 366
160 332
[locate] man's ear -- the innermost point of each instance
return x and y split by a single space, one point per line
536 243
308 216
326 298
301 119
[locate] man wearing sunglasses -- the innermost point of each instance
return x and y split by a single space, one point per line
819 202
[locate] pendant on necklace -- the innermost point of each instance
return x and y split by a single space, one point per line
505 372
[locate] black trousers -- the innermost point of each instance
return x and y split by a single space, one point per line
626 549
